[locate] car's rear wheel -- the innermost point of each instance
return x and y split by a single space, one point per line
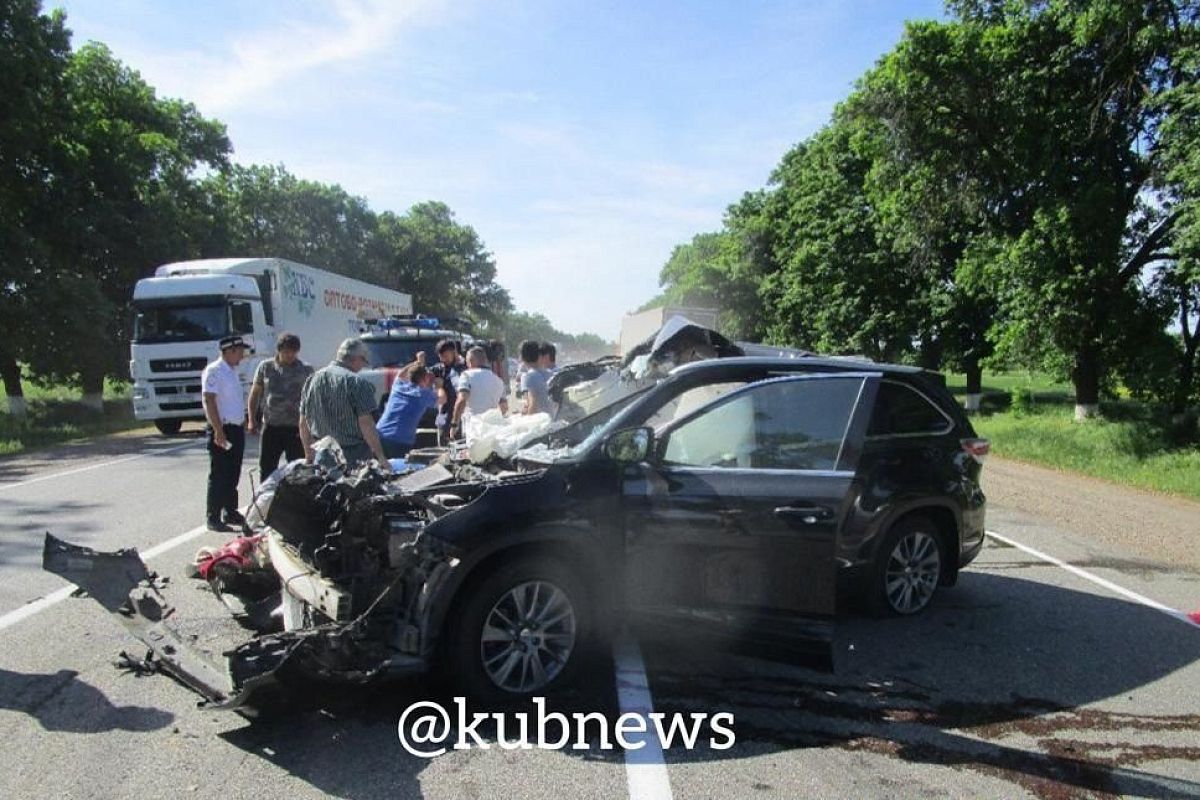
521 632
907 569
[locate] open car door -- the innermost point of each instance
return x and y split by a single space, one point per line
732 524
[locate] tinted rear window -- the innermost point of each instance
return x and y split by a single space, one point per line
900 409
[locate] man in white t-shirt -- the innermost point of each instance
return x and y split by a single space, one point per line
479 390
225 412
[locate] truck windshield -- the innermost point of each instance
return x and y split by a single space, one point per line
190 321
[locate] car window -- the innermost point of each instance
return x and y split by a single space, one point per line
399 352
241 318
901 410
777 424
688 401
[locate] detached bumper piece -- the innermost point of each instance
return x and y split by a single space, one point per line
121 584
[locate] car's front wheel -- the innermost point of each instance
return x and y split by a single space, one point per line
907 569
169 426
521 632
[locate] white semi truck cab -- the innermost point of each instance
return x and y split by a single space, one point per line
182 313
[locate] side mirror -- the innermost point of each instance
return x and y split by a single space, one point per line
630 445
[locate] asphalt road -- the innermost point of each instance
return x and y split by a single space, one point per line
1026 680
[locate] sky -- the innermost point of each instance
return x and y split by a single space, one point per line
582 140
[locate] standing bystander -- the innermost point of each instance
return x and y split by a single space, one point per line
339 402
446 373
548 358
479 390
533 381
277 385
225 411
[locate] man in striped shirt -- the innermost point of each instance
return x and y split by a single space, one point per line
339 402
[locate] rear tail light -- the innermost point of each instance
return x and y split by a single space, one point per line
977 449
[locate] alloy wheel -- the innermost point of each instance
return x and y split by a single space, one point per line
528 637
912 572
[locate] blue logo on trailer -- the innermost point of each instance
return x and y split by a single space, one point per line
300 288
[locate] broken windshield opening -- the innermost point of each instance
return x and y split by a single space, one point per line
581 435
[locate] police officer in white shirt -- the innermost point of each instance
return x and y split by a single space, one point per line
225 410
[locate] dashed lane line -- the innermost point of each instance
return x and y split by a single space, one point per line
645 768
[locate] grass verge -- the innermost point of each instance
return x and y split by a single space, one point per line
1132 443
56 415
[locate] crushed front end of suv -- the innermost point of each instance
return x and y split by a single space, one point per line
728 502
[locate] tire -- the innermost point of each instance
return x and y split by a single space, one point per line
907 569
497 657
168 427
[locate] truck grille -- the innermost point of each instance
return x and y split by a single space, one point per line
177 364
162 390
179 406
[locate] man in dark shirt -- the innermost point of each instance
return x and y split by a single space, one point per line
277 384
445 379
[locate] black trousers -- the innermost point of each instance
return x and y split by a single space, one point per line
224 470
278 440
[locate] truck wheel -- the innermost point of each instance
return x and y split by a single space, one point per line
907 569
168 427
522 631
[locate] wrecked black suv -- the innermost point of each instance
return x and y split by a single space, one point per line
732 498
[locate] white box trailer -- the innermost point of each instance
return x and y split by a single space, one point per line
187 307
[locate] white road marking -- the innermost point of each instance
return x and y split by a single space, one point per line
1096 579
77 470
645 768
34 606
58 595
172 543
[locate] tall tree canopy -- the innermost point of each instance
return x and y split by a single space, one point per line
441 262
1019 182
101 180
1052 111
34 52
266 211
129 200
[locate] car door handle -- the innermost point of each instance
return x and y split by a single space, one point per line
810 515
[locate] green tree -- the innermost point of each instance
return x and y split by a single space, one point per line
521 325
1050 109
723 270
265 211
34 51
1177 282
837 288
588 346
933 217
441 262
128 197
